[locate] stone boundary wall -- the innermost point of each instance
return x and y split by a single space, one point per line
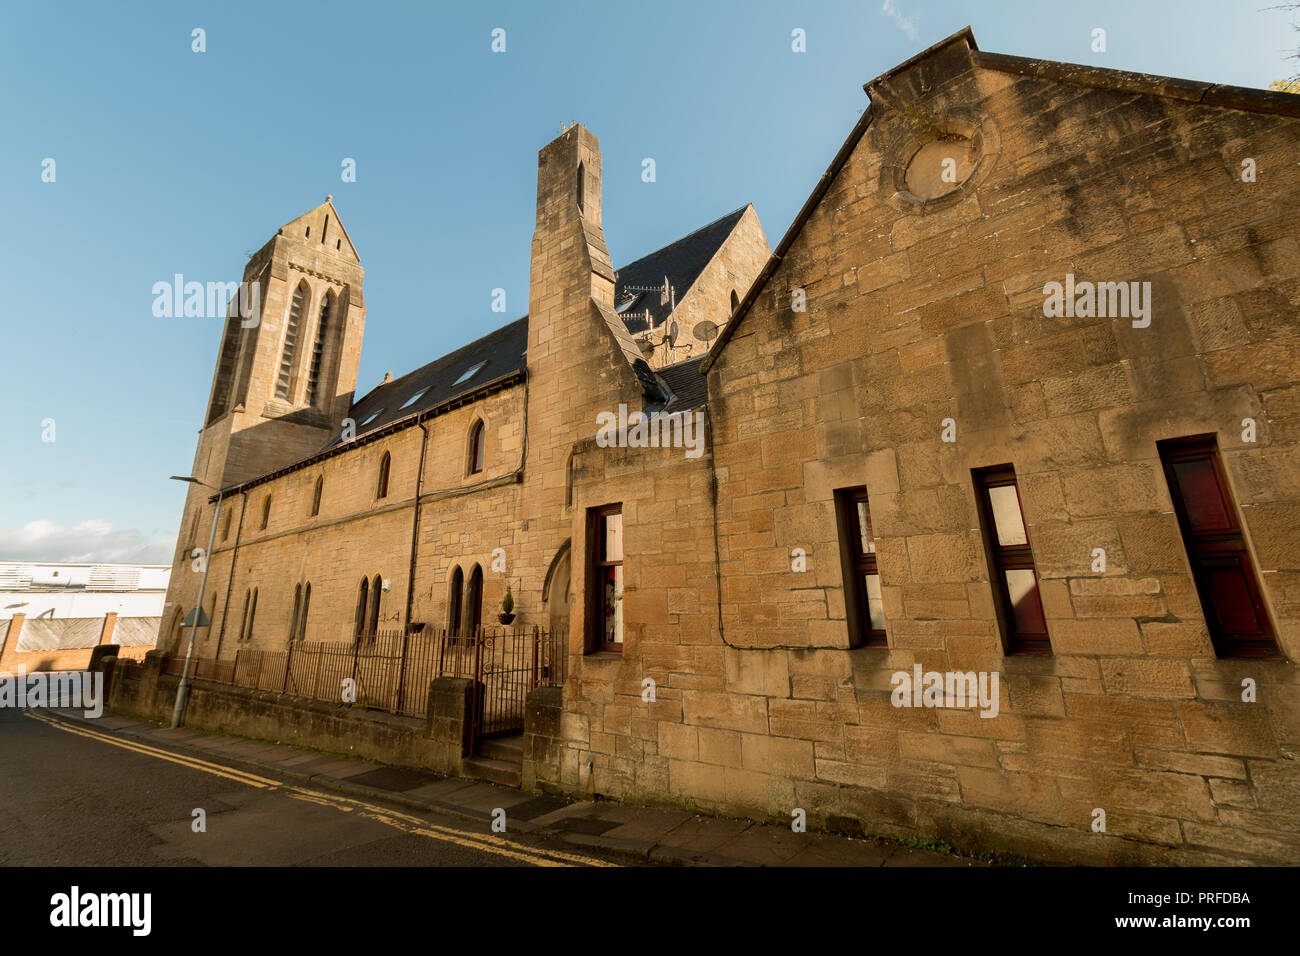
435 743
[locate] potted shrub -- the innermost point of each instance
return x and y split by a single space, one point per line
507 607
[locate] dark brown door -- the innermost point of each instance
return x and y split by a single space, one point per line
474 601
1221 566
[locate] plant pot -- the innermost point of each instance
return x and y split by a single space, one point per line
505 618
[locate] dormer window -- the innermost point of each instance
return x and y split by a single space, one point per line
469 373
415 398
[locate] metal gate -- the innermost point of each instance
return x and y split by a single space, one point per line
502 665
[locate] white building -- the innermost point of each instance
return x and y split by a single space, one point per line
57 590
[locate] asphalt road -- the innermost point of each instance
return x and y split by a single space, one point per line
69 798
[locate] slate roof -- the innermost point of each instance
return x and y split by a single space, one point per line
690 388
503 353
681 261
498 355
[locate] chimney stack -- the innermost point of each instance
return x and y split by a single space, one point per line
569 209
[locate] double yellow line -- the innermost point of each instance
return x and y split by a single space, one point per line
396 819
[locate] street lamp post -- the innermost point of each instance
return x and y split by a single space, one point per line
182 689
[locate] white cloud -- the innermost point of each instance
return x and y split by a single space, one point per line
906 24
95 540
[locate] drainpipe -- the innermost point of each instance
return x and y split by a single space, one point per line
713 496
717 544
182 689
415 525
230 584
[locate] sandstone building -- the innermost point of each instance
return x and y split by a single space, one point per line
915 463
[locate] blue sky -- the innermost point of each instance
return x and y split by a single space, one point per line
173 161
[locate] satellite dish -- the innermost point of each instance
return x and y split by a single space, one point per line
672 333
705 331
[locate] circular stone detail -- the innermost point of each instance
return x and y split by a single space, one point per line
940 166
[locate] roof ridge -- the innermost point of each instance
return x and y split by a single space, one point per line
1243 99
1225 95
689 235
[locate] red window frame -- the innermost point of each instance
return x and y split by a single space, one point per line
604 569
1023 623
1227 581
858 562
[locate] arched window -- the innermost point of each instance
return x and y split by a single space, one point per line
474 601
360 626
297 604
581 178
243 621
556 590
266 511
376 589
568 481
177 630
252 615
318 351
475 448
212 620
384 463
454 597
291 340
315 496
306 606
225 527
735 302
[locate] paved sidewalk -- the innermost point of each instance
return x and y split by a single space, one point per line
666 836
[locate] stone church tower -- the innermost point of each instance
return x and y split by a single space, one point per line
284 379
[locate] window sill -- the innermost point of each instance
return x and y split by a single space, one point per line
882 646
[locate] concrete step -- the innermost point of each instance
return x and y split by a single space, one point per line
509 749
497 771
